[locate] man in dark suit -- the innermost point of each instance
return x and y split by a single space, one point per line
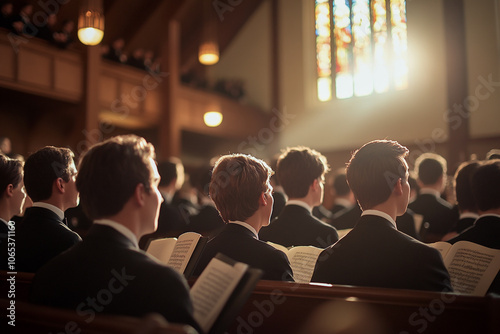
171 221
242 193
301 171
344 198
486 229
49 178
12 197
439 217
466 204
107 272
375 253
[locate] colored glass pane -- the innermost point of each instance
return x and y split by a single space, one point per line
362 48
343 39
399 43
323 48
380 52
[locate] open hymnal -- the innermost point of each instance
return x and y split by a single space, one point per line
220 291
181 253
302 260
472 267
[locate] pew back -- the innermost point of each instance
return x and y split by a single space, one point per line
31 318
284 307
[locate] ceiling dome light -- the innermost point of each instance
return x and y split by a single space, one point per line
212 118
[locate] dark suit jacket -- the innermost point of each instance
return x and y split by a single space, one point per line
295 226
485 232
239 243
437 212
336 208
279 203
4 230
171 223
39 237
464 223
376 254
207 222
107 273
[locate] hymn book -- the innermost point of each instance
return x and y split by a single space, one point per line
472 267
302 260
181 253
221 291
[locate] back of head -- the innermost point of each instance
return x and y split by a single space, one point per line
237 182
11 172
429 168
374 170
169 170
463 186
340 185
297 169
109 173
45 166
486 185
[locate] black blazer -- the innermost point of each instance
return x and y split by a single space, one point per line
437 212
485 232
239 243
207 222
107 273
295 226
376 254
40 236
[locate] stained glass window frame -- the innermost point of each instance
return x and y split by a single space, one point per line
379 65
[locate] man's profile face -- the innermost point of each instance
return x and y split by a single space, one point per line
73 197
153 200
405 198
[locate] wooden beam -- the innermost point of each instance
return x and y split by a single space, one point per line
169 130
457 88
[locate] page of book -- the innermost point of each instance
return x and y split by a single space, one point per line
184 248
472 267
303 260
212 290
442 246
162 248
343 232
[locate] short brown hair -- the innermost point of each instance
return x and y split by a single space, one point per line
374 170
237 182
297 169
11 172
110 171
45 166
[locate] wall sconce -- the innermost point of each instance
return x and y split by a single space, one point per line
91 22
212 118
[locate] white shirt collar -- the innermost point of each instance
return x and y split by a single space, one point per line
50 207
299 203
468 215
120 228
430 191
380 214
237 222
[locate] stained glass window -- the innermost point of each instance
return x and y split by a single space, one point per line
367 42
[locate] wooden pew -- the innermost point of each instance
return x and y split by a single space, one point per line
283 307
21 284
31 318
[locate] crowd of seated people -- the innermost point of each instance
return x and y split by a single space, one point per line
20 22
138 58
131 199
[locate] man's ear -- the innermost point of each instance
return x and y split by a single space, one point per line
59 185
9 191
398 188
315 184
139 194
262 199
